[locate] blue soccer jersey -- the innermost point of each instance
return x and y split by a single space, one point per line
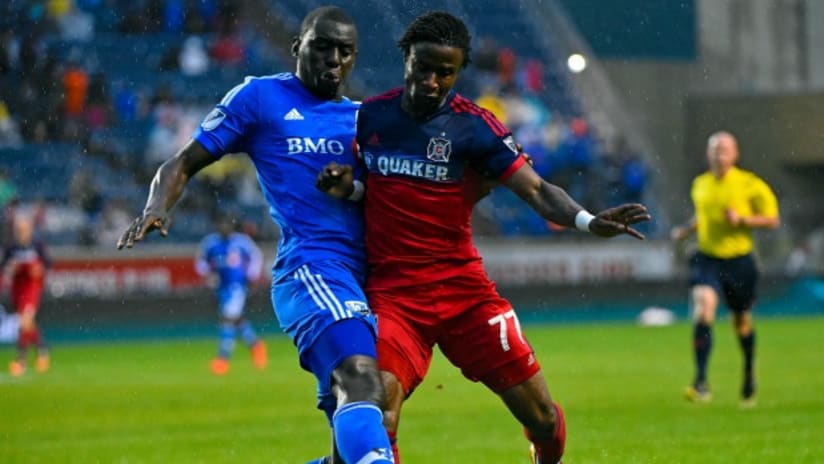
290 134
236 261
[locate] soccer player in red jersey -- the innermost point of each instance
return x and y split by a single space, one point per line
24 267
420 144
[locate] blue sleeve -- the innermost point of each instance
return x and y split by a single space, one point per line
226 126
494 154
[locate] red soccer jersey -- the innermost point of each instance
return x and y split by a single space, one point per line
27 265
421 187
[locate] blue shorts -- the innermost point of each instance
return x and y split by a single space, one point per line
734 278
323 309
231 300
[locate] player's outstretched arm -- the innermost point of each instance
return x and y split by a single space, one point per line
554 204
336 180
167 186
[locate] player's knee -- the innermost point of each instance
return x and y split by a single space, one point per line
357 379
704 301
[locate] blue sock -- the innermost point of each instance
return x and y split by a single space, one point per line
247 332
360 435
227 340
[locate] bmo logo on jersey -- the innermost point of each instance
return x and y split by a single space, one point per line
320 146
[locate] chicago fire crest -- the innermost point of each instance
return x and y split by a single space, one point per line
439 149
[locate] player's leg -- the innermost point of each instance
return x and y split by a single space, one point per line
324 310
244 328
703 302
28 335
543 419
741 279
406 335
487 343
343 358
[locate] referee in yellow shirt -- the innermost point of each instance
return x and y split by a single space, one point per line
729 203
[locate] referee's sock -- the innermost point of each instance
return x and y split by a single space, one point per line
702 343
747 343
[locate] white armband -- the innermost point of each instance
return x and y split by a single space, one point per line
582 220
357 193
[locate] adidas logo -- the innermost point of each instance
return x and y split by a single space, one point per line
293 115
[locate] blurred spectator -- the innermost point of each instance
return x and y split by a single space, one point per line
7 189
126 102
507 62
174 15
634 178
9 51
114 219
9 132
76 25
193 59
576 157
534 76
75 88
228 49
84 194
99 108
489 100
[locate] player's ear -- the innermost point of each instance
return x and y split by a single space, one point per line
295 45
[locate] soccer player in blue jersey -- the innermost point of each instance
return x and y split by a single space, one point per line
234 260
291 125
420 144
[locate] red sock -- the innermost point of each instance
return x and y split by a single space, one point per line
393 440
550 451
24 338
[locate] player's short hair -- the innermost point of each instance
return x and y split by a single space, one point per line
437 27
332 12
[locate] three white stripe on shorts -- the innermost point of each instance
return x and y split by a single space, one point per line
321 293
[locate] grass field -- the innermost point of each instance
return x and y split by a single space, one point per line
620 385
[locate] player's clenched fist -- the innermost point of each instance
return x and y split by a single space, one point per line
336 180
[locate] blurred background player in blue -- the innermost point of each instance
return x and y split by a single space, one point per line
291 125
233 261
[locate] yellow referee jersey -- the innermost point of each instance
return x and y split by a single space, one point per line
746 194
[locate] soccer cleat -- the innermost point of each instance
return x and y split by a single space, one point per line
748 393
698 393
16 368
43 363
533 457
259 356
220 366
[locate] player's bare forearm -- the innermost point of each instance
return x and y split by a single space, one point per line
166 188
548 200
554 204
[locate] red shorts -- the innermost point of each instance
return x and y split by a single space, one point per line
475 328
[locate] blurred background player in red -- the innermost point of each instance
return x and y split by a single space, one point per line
23 268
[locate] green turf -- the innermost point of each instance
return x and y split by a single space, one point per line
620 385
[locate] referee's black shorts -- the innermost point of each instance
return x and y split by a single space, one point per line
734 278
